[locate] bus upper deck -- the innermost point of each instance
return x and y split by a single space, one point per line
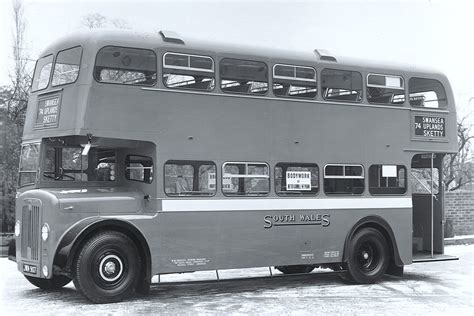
97 83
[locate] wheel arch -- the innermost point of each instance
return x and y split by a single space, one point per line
80 233
377 222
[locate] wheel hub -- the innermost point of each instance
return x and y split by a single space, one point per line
110 268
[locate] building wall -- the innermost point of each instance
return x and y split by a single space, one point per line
459 206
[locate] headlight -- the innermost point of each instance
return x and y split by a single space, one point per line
17 228
45 231
45 271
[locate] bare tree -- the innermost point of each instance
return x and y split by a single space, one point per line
97 21
13 103
458 167
94 21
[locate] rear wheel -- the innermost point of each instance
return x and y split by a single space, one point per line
56 282
368 256
295 269
107 267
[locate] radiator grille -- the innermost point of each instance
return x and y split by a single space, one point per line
30 232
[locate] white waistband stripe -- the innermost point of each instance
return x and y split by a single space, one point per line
284 204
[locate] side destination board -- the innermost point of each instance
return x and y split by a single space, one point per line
48 111
430 126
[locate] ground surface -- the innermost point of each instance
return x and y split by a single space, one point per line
426 289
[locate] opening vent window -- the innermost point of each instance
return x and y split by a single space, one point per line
385 89
139 168
66 68
428 93
245 178
243 76
189 177
341 85
183 71
42 73
343 179
129 66
294 81
296 179
29 160
387 179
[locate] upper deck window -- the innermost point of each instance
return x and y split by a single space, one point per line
42 73
385 89
428 93
294 81
243 76
122 65
66 68
184 71
341 85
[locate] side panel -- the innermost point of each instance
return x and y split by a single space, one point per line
204 240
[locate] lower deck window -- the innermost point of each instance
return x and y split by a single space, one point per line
139 168
343 179
296 179
387 179
245 178
190 177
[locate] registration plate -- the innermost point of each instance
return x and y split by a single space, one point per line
29 268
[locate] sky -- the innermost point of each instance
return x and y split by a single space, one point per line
426 33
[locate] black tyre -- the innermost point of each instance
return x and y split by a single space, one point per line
56 282
107 267
295 269
368 257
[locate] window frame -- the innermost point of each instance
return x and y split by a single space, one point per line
296 78
246 163
344 165
78 71
123 84
339 100
402 88
297 192
127 177
164 65
268 82
189 162
378 188
53 61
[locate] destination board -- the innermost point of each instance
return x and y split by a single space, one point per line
430 126
48 111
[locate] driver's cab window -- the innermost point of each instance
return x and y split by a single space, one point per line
69 164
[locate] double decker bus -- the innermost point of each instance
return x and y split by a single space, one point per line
148 154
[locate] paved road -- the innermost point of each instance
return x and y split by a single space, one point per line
428 288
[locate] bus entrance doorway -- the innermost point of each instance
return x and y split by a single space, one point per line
428 208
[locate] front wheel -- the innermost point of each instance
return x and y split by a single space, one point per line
107 267
368 256
55 283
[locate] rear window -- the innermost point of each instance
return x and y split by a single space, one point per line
129 66
42 73
428 93
243 76
66 68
